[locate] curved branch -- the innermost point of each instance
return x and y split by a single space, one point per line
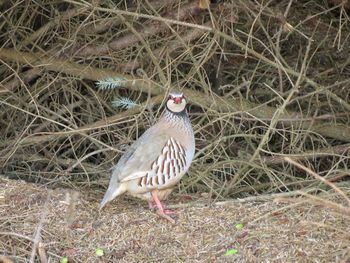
259 111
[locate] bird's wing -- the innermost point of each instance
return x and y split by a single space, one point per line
137 160
165 170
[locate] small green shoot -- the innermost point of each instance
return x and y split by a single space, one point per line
99 252
231 252
64 260
239 226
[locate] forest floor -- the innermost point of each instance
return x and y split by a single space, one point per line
58 223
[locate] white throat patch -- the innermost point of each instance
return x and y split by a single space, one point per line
172 106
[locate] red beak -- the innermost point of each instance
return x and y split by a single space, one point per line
177 100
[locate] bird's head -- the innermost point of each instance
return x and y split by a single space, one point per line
176 102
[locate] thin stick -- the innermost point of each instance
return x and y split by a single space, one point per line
138 15
259 198
80 160
309 171
37 238
42 253
16 235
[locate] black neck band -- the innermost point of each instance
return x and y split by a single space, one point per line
182 113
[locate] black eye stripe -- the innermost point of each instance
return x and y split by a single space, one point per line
177 97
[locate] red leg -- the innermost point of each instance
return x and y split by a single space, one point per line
151 204
160 206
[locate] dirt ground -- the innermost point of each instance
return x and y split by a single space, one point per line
65 223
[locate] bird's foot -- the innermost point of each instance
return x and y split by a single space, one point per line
169 212
153 206
161 211
165 216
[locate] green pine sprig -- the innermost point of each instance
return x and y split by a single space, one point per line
110 83
124 103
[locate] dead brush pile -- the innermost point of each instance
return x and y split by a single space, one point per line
269 85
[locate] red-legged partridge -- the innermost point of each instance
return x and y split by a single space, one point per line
155 163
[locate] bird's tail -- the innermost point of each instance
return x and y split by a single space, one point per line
113 191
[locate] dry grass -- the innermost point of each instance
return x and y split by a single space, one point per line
265 81
292 230
270 105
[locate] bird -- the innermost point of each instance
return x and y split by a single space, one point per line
153 165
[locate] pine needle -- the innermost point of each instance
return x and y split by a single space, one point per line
110 83
124 103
